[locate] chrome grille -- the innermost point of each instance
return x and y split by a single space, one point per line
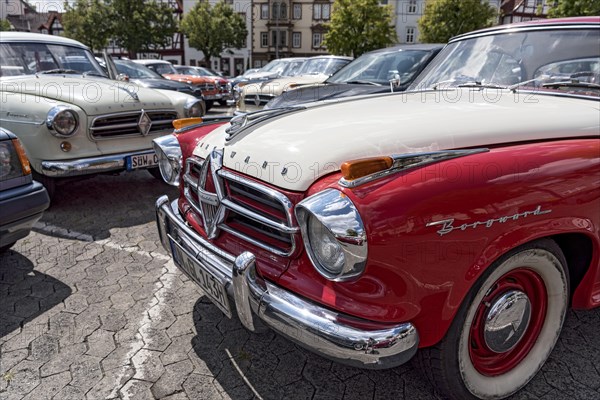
207 86
246 209
128 123
258 99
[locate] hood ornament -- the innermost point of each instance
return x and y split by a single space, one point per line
130 92
241 122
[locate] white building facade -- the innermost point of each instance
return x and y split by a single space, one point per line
407 14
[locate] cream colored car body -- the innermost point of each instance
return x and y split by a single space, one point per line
27 99
261 91
285 154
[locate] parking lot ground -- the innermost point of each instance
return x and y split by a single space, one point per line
91 307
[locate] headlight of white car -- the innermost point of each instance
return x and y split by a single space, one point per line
62 121
334 235
193 108
169 158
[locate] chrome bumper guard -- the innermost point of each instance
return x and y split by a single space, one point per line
310 325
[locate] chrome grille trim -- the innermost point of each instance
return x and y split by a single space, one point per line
216 212
126 124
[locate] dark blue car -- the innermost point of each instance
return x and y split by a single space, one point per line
22 200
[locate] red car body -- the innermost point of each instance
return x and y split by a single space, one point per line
526 173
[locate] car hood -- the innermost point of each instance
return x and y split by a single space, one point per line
313 142
95 96
261 75
325 91
158 83
280 85
188 78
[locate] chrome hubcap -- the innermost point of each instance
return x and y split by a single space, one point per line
506 321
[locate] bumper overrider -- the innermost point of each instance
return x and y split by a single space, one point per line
308 324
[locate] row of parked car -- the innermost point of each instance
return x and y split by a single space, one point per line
457 220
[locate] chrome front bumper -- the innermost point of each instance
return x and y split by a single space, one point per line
308 324
85 166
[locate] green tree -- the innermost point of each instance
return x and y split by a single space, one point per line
358 26
142 25
212 29
5 25
444 19
88 21
573 8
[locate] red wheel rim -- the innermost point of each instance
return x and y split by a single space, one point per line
488 362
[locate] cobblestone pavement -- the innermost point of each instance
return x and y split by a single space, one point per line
92 308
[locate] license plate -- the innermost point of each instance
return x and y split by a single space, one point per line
210 284
141 161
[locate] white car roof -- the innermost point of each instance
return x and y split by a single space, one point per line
39 38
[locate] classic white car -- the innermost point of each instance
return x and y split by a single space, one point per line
71 118
314 70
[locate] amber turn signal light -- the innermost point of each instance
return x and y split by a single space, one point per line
184 122
366 166
22 156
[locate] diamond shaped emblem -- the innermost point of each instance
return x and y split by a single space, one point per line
257 100
144 123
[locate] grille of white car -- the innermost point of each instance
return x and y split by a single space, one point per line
128 124
253 212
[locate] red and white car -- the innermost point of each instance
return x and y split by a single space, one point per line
458 222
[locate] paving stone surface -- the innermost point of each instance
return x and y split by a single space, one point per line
91 307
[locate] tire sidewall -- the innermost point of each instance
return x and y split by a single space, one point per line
546 259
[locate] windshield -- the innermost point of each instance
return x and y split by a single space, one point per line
187 71
326 66
32 58
380 68
135 71
293 68
541 57
163 68
274 66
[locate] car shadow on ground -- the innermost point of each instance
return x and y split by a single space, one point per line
248 365
113 201
25 293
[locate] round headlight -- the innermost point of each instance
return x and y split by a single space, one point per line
194 108
169 158
62 121
326 248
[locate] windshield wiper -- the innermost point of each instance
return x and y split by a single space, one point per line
574 83
360 82
476 84
60 71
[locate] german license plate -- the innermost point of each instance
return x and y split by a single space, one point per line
211 285
141 161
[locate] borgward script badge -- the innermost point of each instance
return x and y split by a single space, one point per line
213 211
447 225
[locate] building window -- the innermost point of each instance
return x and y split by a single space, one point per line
317 40
279 10
264 39
282 38
321 11
412 7
296 40
264 11
410 34
297 11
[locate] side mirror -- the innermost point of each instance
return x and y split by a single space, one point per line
123 78
395 82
